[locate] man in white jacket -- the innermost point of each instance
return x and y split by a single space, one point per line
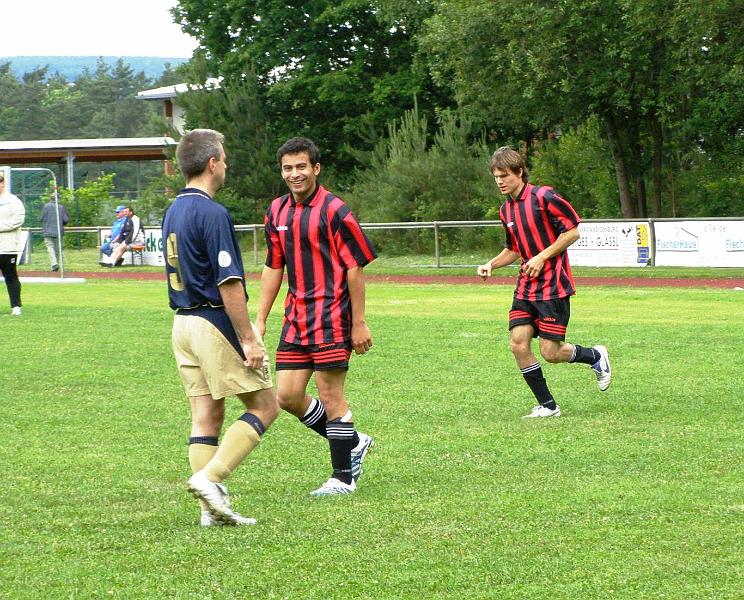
12 214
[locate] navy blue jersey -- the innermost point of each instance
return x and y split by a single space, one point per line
201 250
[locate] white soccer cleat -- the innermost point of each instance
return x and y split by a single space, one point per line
334 487
602 368
358 453
207 520
543 411
16 312
215 496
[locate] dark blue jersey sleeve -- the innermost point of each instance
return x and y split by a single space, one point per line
222 247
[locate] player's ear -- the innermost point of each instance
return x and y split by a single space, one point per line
316 169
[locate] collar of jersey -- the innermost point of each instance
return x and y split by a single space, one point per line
526 191
189 191
315 197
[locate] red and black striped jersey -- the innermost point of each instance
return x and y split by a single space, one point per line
318 240
533 221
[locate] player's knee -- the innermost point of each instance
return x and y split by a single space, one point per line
290 401
209 422
551 357
553 351
519 347
551 354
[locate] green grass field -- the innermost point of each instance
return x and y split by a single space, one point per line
637 492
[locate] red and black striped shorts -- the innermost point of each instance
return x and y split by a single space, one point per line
318 357
549 318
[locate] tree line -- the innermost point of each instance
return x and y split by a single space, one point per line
631 108
628 108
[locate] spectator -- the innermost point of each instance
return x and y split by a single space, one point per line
12 215
121 234
134 237
53 219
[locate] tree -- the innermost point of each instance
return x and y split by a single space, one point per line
553 65
335 71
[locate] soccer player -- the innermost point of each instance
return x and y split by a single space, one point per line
540 225
315 235
218 351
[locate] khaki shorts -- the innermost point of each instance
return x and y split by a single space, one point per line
208 363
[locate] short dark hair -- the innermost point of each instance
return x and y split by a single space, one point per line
296 145
196 148
508 159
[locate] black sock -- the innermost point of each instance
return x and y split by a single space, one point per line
341 441
533 375
588 356
315 418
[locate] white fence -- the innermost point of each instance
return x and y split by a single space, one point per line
603 243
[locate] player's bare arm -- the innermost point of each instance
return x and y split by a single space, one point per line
361 338
504 258
271 281
233 297
534 266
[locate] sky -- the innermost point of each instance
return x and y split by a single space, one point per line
91 28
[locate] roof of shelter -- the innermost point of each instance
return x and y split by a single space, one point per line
86 150
171 91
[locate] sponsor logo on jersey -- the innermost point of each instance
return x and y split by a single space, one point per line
224 259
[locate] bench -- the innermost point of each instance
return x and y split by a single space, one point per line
136 250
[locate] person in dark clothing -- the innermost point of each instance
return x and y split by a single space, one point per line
54 217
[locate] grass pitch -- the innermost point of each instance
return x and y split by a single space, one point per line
637 492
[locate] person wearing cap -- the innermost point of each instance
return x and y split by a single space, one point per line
121 236
134 236
12 215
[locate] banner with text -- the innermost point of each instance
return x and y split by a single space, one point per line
612 244
699 243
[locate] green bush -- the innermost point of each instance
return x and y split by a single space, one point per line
414 176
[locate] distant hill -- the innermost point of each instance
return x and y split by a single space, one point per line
72 66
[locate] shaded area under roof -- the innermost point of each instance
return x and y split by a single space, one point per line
85 150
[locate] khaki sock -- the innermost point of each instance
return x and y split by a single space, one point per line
199 456
238 441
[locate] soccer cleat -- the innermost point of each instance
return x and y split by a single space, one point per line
358 453
207 520
543 411
334 487
215 496
16 312
55 268
602 368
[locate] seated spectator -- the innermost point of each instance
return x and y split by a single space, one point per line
125 233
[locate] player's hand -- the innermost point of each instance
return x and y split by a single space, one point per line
255 354
261 326
534 266
484 271
361 338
